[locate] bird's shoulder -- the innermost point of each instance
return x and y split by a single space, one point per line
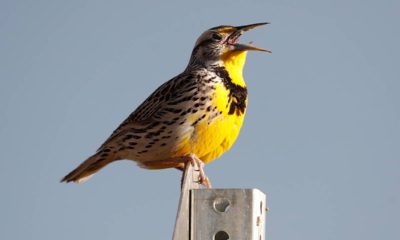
172 92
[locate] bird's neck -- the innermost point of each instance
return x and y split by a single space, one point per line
233 62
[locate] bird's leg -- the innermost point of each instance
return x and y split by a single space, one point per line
198 164
203 179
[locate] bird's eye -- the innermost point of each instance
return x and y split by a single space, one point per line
216 37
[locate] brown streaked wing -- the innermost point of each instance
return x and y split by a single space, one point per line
152 109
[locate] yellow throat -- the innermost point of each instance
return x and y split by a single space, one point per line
234 63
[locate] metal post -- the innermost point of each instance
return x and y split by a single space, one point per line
219 214
222 214
182 224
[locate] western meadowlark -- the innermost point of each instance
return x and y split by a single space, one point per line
194 117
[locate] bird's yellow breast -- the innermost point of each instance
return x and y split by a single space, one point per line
215 135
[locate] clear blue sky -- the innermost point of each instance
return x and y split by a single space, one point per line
321 137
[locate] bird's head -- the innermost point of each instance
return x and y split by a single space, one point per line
219 42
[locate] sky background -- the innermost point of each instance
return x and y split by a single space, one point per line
321 137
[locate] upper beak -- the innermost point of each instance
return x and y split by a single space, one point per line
247 47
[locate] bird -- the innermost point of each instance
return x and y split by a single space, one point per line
193 118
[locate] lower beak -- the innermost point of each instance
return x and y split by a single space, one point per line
248 47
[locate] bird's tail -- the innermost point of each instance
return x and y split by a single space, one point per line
89 167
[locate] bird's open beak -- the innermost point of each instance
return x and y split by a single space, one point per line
233 38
